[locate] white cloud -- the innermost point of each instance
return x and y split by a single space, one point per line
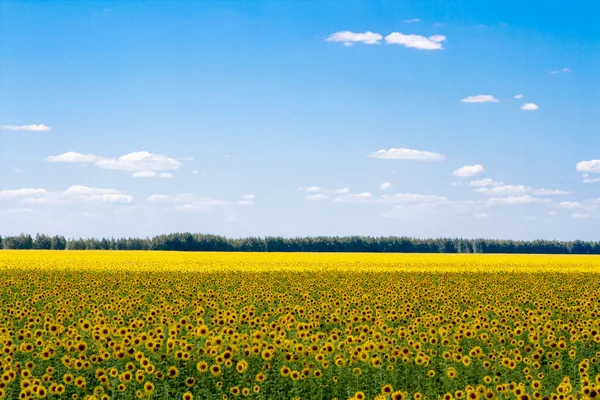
165 175
548 192
198 172
20 193
202 204
385 185
136 162
317 197
485 182
515 200
402 198
411 21
560 70
248 197
407 154
469 170
349 38
491 187
589 166
166 198
480 98
310 189
30 128
529 107
73 157
507 190
570 205
364 197
518 96
144 174
580 216
416 41
591 180
245 202
341 190
72 195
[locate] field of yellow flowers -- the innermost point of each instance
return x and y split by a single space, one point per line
165 325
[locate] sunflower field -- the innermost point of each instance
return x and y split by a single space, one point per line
167 325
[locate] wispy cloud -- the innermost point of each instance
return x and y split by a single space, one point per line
433 42
562 70
363 197
30 128
411 21
407 154
316 197
72 195
348 38
516 200
403 198
480 98
385 185
518 96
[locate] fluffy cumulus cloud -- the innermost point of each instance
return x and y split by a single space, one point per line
140 163
529 107
433 42
469 170
480 98
518 96
407 154
72 195
348 38
589 166
29 128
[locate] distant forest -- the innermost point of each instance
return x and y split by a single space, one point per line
349 244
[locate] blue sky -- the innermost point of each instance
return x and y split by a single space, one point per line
300 118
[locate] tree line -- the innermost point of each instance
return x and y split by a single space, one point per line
351 244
